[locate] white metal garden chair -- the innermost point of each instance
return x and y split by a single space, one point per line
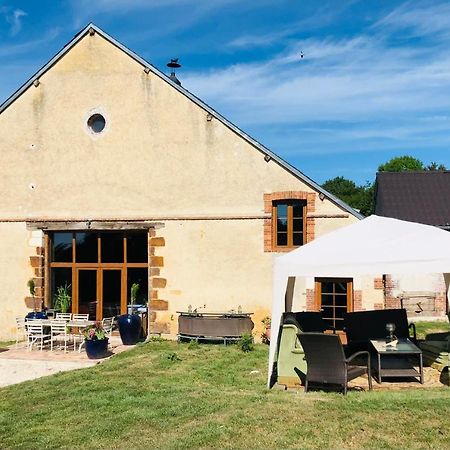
59 334
63 316
108 325
35 334
21 333
80 316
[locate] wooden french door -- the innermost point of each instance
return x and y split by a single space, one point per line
100 267
334 297
99 292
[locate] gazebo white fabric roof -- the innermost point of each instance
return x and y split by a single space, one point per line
375 245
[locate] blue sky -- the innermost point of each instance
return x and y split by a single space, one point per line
374 82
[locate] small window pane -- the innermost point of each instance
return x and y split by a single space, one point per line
112 247
297 210
282 225
298 225
282 211
86 247
62 247
298 239
137 247
281 239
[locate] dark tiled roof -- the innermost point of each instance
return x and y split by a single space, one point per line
422 197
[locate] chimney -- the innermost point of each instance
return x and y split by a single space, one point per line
173 64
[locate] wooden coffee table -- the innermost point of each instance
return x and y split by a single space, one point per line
395 362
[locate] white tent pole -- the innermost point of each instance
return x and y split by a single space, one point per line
278 307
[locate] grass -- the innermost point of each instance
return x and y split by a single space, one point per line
424 328
168 395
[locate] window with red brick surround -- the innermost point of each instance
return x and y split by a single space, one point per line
289 225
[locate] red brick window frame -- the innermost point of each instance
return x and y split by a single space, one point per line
288 198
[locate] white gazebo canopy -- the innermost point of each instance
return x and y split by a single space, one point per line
375 245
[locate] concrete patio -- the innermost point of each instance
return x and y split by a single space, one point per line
18 365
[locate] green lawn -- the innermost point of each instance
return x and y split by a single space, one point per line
169 395
424 328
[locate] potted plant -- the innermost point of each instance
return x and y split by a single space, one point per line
130 324
35 314
95 341
265 336
63 298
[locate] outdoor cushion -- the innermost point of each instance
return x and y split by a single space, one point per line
291 364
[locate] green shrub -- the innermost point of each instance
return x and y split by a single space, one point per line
246 343
193 345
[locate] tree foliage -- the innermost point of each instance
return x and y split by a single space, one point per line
361 197
358 197
408 163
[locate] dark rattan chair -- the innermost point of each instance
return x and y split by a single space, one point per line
312 322
327 363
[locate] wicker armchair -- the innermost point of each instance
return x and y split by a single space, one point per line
327 363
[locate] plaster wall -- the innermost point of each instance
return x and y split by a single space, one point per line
15 250
158 156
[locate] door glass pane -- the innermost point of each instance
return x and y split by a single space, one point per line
327 299
327 287
112 282
62 247
139 276
137 247
60 277
87 293
112 247
340 287
341 300
86 247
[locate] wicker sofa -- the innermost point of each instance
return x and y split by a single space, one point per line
362 326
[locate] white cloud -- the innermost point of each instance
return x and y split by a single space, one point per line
24 47
361 80
418 19
16 22
14 18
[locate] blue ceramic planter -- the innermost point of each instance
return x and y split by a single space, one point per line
96 349
36 315
129 328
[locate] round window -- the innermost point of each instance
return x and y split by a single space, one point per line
96 123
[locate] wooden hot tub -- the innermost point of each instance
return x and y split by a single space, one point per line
213 326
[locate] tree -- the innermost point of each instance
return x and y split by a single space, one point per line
401 164
408 163
435 166
358 197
